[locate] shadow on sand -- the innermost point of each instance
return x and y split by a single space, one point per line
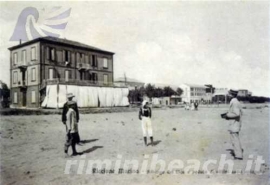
231 152
92 149
88 141
155 143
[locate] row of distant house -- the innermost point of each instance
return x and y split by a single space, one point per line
208 93
191 92
47 61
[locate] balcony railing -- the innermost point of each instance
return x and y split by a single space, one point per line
83 66
22 66
22 84
74 82
24 63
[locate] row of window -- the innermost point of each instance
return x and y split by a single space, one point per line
197 89
197 94
79 57
51 55
83 76
24 56
33 75
68 75
33 97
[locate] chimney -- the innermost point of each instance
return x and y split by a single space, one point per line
20 41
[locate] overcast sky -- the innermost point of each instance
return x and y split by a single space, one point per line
221 43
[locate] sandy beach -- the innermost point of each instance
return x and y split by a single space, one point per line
32 146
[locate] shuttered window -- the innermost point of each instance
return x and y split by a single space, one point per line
105 79
15 98
66 57
33 74
33 97
50 53
94 77
51 74
67 75
24 57
105 63
33 53
15 58
94 61
15 77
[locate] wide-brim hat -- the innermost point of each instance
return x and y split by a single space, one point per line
233 91
70 95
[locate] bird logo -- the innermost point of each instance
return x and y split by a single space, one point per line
32 23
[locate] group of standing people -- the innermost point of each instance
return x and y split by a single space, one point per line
191 106
70 118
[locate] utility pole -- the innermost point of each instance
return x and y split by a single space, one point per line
125 79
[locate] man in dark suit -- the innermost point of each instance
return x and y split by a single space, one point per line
70 118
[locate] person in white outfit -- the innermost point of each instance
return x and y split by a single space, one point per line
234 115
145 115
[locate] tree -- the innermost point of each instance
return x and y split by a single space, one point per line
168 91
179 91
150 90
158 92
4 94
136 95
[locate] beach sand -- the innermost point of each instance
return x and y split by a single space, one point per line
32 147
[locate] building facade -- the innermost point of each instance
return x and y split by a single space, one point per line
48 60
193 93
244 93
221 95
210 90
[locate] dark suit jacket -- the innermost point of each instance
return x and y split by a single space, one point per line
67 105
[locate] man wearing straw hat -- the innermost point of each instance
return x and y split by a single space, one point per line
145 114
70 118
234 115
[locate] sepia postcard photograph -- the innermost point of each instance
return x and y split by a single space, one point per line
134 92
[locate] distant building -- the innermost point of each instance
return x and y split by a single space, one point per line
244 93
175 100
193 93
221 91
128 82
164 101
210 90
221 95
48 60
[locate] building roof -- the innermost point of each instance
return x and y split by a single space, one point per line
242 90
123 79
195 85
61 41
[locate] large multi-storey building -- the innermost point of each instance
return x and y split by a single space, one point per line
48 60
193 93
